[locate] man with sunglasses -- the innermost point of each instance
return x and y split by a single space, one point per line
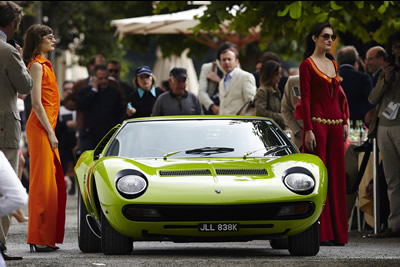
114 70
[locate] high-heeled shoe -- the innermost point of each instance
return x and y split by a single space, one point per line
35 248
19 216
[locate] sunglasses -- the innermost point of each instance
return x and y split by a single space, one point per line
326 36
49 37
113 70
144 76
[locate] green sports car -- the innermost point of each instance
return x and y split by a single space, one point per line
199 179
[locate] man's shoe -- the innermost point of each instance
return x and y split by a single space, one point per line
7 257
10 258
388 233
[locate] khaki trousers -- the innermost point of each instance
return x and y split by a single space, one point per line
389 146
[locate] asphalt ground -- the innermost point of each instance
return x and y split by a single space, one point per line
361 250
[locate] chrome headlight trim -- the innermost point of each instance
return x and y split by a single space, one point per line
299 180
131 183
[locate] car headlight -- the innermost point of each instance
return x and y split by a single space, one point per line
130 183
299 180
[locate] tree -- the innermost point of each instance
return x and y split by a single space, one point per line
84 27
286 23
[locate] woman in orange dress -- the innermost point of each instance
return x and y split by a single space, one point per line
47 192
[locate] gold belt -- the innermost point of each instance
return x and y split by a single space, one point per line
327 121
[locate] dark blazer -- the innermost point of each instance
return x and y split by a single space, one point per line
357 86
101 111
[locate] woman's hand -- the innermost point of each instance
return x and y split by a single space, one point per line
53 140
130 111
310 141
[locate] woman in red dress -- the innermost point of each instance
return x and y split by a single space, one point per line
325 127
47 192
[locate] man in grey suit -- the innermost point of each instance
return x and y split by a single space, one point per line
210 76
238 86
14 79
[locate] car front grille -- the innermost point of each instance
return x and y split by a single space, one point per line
218 171
185 172
241 171
299 210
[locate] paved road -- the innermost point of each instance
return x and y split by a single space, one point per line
361 251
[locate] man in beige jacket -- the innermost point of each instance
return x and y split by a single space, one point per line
290 98
14 79
238 86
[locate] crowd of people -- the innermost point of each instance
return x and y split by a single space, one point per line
316 105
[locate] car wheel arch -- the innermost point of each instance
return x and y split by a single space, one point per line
95 198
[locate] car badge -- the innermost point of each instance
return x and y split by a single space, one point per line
218 191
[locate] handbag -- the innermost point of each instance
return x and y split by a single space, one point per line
248 109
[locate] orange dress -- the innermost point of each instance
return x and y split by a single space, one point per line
47 191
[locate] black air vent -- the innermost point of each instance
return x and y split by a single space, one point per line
185 172
241 171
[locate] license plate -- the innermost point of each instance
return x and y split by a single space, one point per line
219 227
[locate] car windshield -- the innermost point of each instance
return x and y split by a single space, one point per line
200 138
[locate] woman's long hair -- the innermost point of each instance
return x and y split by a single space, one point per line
33 39
268 72
310 44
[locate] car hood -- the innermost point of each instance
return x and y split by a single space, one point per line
213 167
211 180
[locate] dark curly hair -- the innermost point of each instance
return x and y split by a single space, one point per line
310 44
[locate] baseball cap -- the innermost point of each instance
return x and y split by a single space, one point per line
178 73
143 70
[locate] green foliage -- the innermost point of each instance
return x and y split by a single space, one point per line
283 24
288 22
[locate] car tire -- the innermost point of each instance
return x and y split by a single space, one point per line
305 243
281 243
112 242
87 241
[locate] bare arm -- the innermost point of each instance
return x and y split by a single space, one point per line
37 106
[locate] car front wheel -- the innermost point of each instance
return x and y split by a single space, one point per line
88 242
305 243
112 242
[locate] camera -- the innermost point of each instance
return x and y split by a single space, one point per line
391 60
12 42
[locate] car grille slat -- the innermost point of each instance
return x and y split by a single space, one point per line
241 171
185 172
214 212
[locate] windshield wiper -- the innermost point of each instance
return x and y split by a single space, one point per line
202 150
208 150
270 150
275 149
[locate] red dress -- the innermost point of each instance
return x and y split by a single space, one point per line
47 192
323 111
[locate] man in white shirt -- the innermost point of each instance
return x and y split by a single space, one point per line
13 194
238 86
